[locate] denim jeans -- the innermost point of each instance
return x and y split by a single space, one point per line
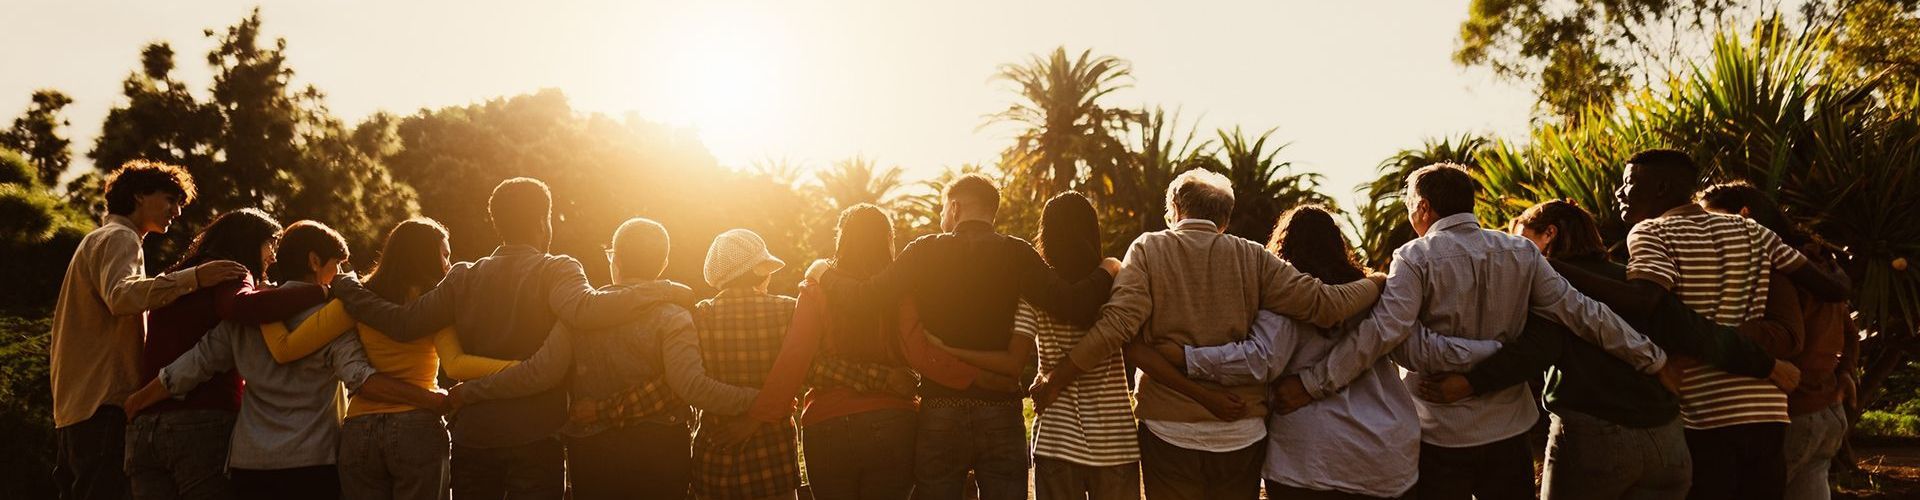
1055 479
1174 473
1591 458
534 470
1813 439
180 454
90 457
863 456
1277 491
1738 462
991 441
387 456
316 482
643 460
1500 470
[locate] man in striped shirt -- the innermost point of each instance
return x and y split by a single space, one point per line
1720 266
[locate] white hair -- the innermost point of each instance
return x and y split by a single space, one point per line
1200 194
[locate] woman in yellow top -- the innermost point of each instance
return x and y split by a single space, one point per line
392 450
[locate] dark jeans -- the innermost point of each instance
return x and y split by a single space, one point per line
1173 473
991 441
90 457
180 454
864 456
1744 462
394 456
1277 491
1589 458
1499 470
1062 480
533 470
319 482
647 460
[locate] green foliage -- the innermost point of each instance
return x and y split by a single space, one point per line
1382 223
1263 186
15 170
1067 135
26 418
36 134
1884 424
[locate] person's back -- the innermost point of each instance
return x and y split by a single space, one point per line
970 303
505 315
740 333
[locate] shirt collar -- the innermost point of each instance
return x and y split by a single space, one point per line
121 220
1450 221
514 249
1196 225
1683 210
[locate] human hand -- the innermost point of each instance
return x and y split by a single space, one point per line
1224 405
455 399
1290 394
1044 393
818 269
1173 353
903 383
1785 376
1670 377
1445 387
996 382
444 404
146 397
583 412
219 271
1111 266
734 432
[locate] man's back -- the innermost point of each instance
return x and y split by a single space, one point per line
502 312
1721 267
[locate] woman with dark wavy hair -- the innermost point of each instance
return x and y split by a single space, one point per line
178 447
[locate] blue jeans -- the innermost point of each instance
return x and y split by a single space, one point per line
394 456
1813 439
863 456
1591 458
180 454
532 470
990 441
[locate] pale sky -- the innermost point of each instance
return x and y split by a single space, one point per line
1347 83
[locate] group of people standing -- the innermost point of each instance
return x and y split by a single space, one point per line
257 367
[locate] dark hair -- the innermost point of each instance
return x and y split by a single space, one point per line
863 247
1575 233
142 177
975 188
519 207
1671 166
410 260
234 236
1308 238
1730 197
299 240
1069 238
642 246
1447 187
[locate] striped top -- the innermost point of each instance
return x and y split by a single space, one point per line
1720 266
1092 422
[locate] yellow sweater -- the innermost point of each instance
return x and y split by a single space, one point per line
415 363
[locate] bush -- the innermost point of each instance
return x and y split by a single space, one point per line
26 408
1883 424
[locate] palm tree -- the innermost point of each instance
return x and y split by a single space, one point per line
1382 222
859 180
1158 151
1262 186
1065 128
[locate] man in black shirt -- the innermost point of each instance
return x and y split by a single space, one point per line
966 283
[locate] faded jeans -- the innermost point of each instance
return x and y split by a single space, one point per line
863 456
394 456
991 441
1813 439
535 470
1588 457
180 454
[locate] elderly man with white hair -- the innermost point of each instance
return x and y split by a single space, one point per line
1193 284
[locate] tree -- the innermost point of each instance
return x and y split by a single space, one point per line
1157 151
1382 223
1066 130
36 134
161 121
1262 186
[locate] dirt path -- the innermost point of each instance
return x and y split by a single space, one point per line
1886 472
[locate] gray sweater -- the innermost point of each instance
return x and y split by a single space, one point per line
289 414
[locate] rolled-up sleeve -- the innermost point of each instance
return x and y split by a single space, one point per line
349 361
211 356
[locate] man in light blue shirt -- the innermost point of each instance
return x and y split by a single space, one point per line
1462 280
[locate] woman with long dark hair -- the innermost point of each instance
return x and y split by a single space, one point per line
177 448
286 438
387 450
1824 350
859 444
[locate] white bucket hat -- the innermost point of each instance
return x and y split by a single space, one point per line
734 254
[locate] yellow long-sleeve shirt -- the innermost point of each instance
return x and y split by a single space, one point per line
416 363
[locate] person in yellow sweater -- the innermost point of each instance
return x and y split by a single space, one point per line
392 450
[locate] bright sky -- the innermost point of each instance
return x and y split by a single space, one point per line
1347 83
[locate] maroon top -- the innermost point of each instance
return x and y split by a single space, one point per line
174 329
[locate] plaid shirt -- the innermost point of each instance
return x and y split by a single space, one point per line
740 336
653 399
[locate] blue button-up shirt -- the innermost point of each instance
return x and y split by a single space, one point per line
1464 281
